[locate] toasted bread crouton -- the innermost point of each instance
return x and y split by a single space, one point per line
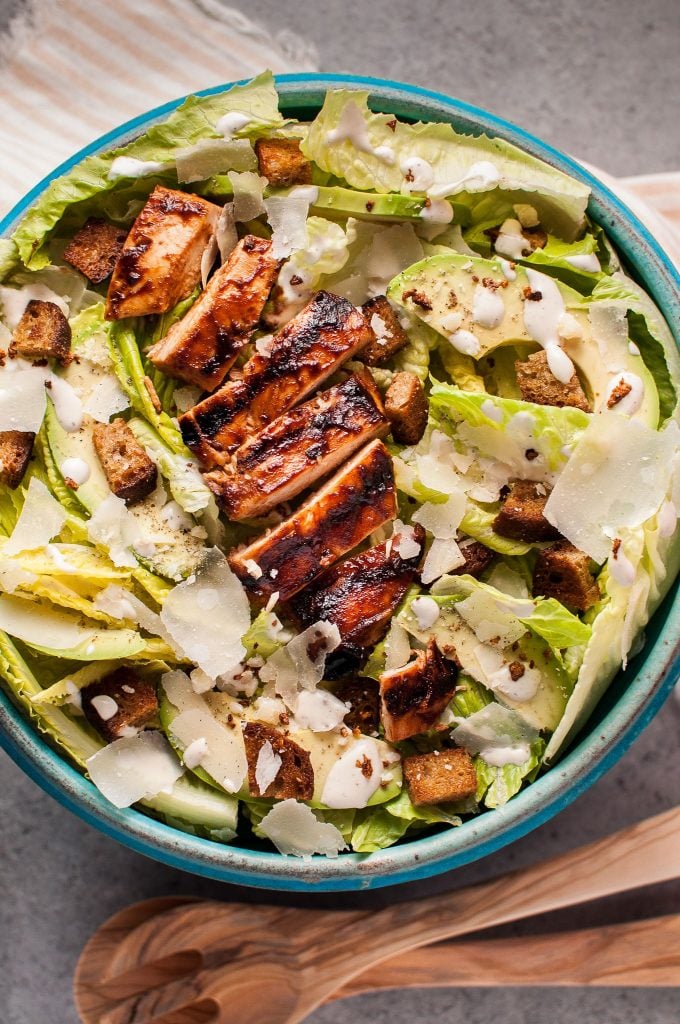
16 449
521 515
129 470
537 384
295 777
441 777
413 697
536 237
390 336
95 248
363 696
563 572
160 262
477 558
42 333
282 162
118 703
406 408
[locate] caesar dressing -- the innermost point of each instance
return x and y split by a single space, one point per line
352 128
129 167
67 404
466 342
437 211
234 121
488 308
418 174
588 261
480 177
543 313
75 469
354 777
510 240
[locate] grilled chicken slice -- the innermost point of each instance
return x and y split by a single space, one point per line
160 262
304 353
202 347
357 500
298 448
360 594
413 697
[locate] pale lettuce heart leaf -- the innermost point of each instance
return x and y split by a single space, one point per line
560 200
63 634
505 429
495 786
184 480
376 829
195 120
649 331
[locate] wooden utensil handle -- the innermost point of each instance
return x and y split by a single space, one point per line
641 854
635 953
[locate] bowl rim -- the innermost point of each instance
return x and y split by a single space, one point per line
586 762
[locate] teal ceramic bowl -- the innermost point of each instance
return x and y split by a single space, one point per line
629 705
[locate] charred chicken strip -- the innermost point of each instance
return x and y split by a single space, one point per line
160 262
357 500
360 594
413 697
298 448
202 347
303 354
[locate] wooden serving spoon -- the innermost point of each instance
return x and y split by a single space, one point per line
211 961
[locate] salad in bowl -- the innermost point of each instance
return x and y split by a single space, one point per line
338 470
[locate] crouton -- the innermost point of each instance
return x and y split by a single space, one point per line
390 336
118 703
441 777
295 778
521 515
363 694
42 333
537 384
129 470
477 558
413 697
282 162
563 572
95 249
536 237
16 448
406 408
160 262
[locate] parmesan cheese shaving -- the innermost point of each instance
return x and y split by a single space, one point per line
354 777
267 767
40 519
248 194
319 711
499 735
287 216
134 768
295 831
106 399
442 520
443 557
210 640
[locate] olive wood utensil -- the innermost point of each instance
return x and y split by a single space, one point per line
215 962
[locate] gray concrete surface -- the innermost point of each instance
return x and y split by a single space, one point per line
600 79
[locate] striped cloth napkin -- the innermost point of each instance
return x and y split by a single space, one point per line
73 69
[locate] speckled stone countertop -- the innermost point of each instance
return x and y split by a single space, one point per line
600 80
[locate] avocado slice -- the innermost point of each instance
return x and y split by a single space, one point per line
440 291
324 748
545 709
177 554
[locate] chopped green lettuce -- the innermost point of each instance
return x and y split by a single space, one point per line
368 150
377 828
195 120
185 481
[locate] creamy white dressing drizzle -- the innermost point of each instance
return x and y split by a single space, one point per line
466 342
667 519
232 122
129 167
75 469
352 128
510 241
490 409
418 174
509 272
542 317
631 402
587 261
437 211
354 777
488 308
426 611
621 568
480 177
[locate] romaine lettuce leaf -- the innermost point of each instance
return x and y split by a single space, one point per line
560 200
495 786
185 481
650 332
377 828
194 120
